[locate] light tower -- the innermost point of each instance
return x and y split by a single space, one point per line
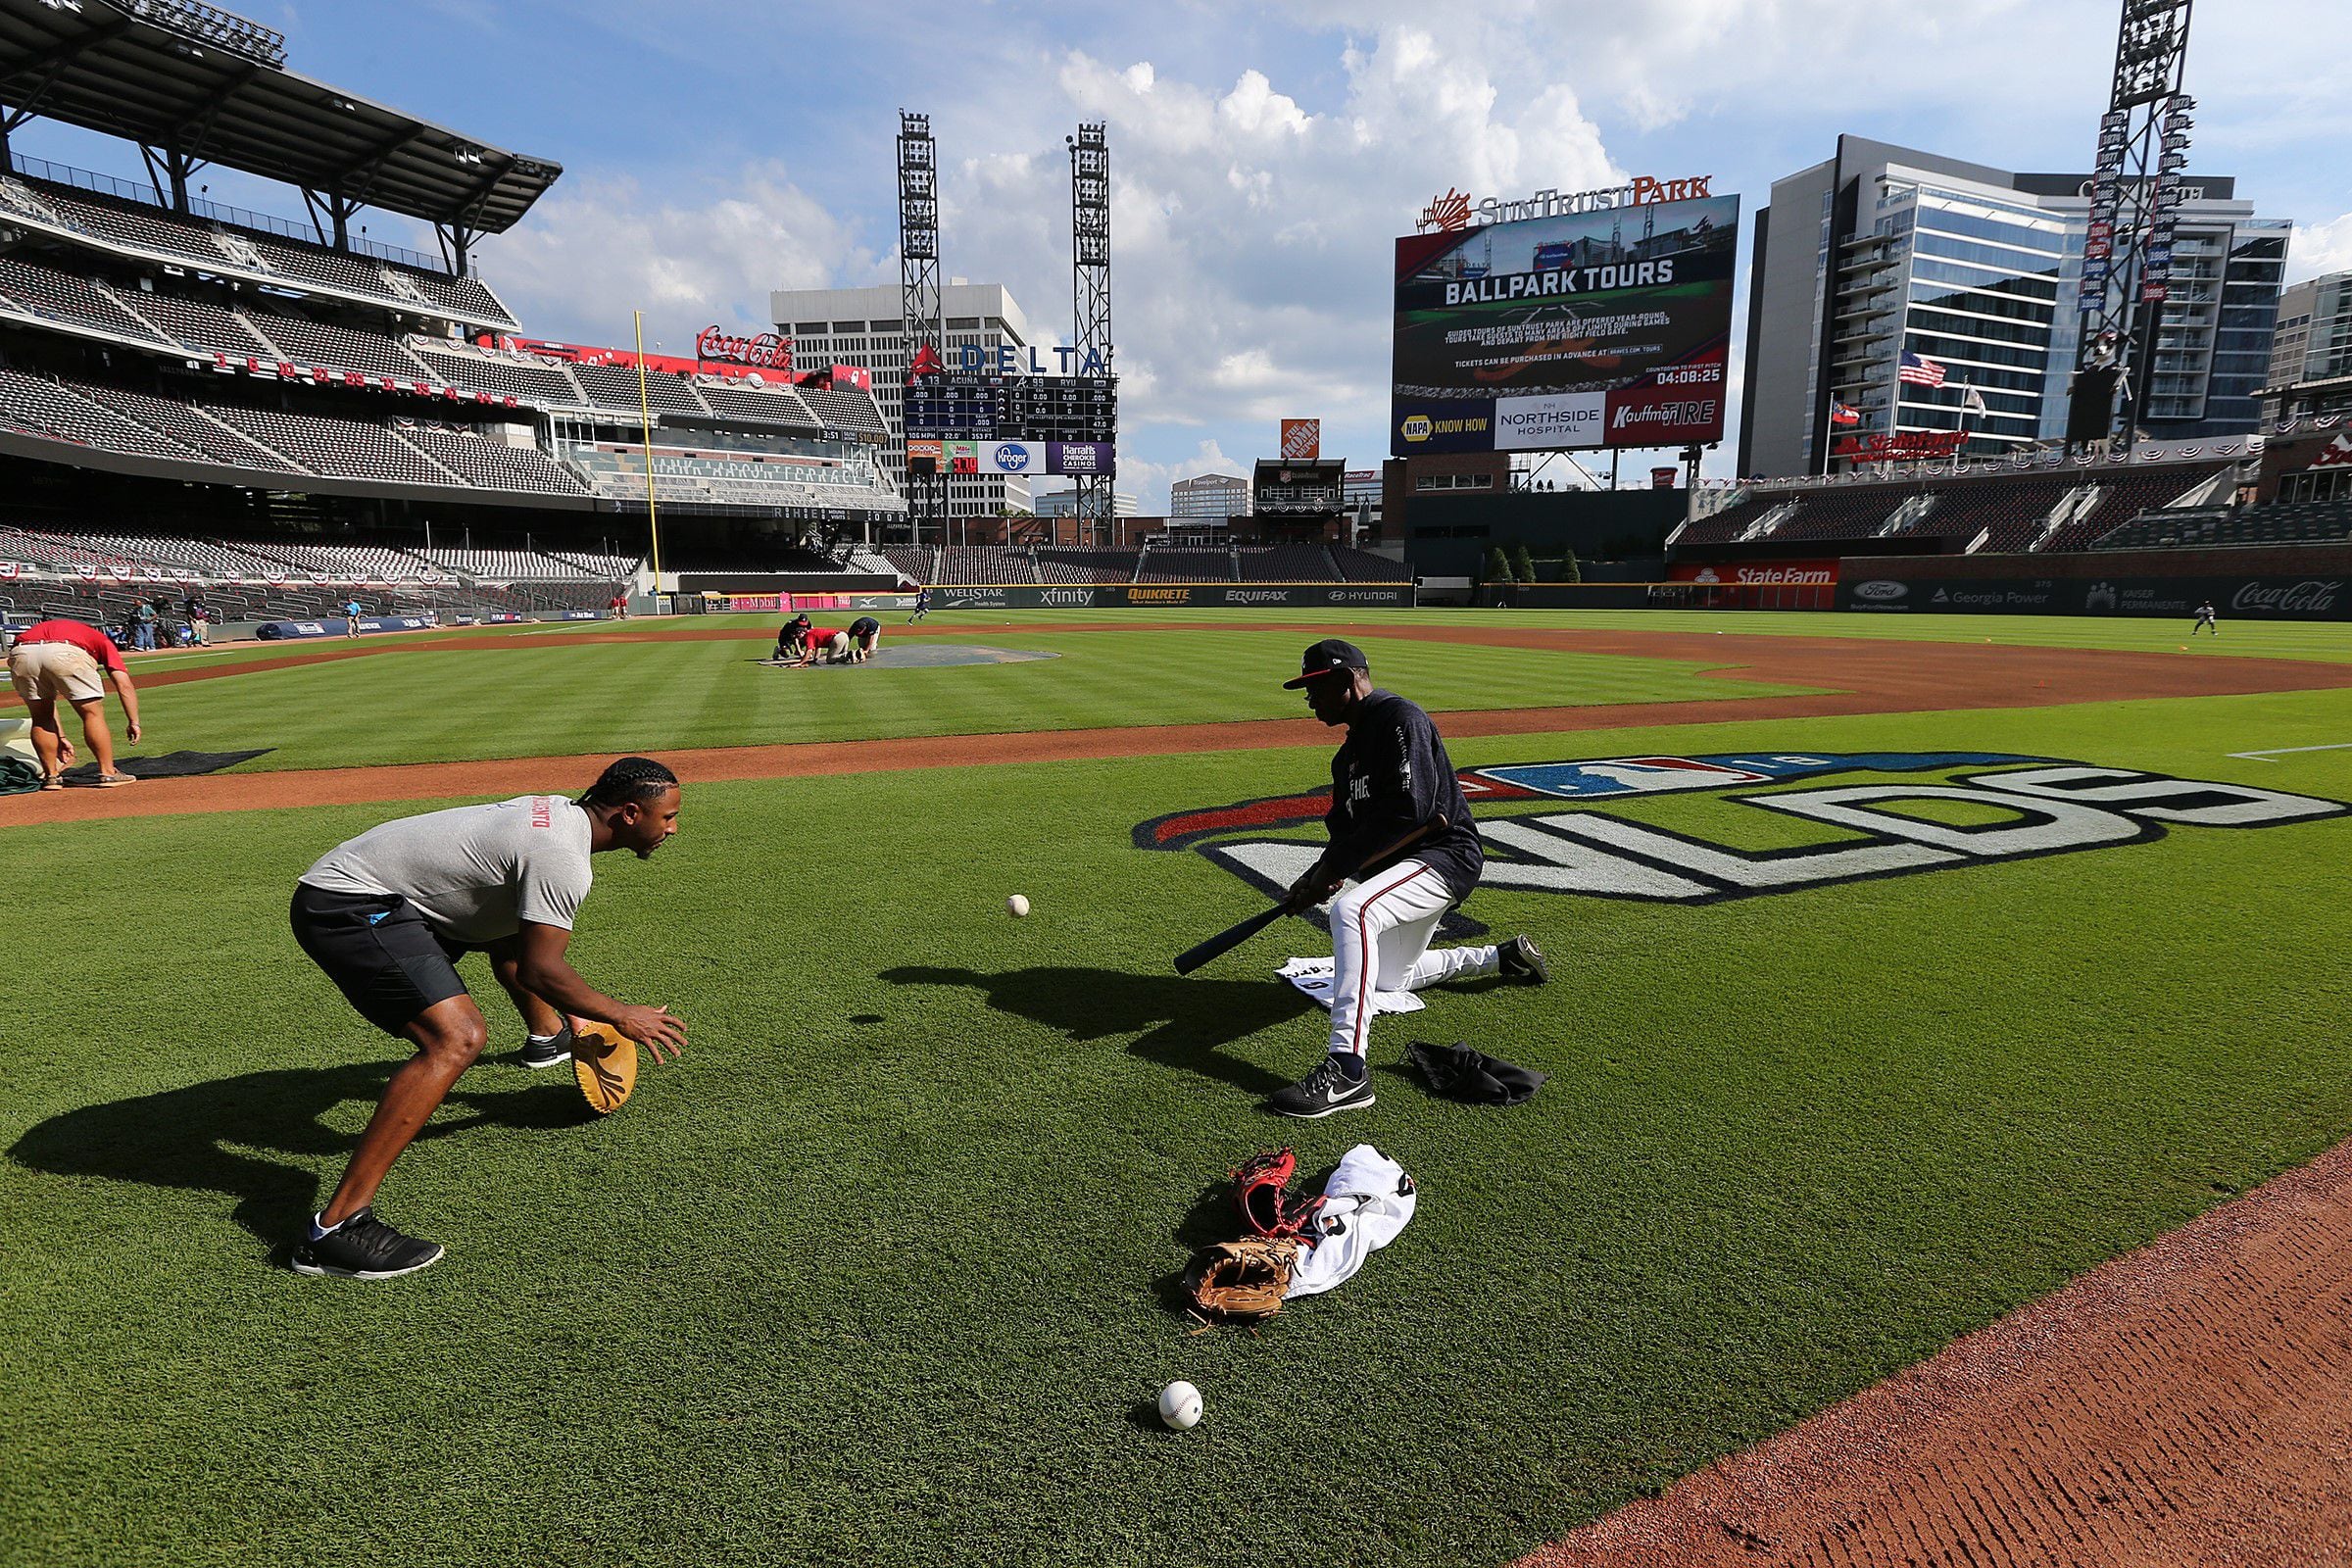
920 315
1089 296
2134 194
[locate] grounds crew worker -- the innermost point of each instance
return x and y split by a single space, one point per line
387 916
58 660
1391 777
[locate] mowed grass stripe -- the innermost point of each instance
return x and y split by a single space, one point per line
435 705
873 1275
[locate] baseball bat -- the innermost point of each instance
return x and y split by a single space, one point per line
1235 935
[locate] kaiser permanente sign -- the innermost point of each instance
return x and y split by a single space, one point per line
1452 210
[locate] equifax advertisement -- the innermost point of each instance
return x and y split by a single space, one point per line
1608 329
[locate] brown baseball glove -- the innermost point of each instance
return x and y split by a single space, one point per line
1239 1282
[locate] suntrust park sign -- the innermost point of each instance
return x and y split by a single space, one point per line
1453 210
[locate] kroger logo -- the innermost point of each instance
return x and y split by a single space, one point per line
1013 458
1557 828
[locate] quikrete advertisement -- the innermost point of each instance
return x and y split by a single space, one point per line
1607 328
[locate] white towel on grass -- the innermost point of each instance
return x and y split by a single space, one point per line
1367 1201
1313 977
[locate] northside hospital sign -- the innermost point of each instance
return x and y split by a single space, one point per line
1452 211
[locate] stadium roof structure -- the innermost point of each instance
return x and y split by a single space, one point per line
193 85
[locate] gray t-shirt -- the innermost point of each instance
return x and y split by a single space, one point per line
477 872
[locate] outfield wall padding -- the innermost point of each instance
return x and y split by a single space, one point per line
2279 583
1180 596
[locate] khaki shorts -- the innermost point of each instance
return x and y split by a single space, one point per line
55 671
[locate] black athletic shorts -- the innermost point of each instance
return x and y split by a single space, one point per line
379 951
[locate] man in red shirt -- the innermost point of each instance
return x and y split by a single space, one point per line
57 659
830 646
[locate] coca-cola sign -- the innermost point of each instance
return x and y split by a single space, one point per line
767 352
2306 598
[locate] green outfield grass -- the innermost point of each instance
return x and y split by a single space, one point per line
877 1273
419 704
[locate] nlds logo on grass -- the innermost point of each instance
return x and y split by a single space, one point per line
1549 828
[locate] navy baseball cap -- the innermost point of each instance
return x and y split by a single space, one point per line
1326 658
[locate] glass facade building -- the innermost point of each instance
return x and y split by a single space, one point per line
1975 269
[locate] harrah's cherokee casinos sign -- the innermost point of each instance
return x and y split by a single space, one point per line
766 352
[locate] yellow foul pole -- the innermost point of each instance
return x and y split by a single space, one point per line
645 410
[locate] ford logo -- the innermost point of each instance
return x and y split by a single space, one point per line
1882 590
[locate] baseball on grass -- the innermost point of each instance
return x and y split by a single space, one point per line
1019 905
1180 1405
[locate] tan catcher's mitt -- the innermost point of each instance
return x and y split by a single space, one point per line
1239 1282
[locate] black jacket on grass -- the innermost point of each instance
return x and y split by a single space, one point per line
1389 776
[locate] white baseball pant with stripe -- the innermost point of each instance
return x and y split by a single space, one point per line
1380 931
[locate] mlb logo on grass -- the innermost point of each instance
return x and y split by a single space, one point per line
1556 827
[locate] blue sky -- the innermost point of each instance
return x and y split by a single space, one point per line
1263 155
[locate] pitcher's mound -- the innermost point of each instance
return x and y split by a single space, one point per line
930 655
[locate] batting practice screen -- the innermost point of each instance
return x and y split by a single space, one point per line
1608 329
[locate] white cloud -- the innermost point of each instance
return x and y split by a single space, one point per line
596 249
2320 248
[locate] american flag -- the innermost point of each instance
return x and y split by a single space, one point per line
1919 369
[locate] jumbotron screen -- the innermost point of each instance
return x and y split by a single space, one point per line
1607 328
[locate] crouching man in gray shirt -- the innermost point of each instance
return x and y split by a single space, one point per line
387 916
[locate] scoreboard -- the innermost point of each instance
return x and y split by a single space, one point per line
1013 408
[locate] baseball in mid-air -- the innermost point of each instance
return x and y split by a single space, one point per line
1180 1405
1019 905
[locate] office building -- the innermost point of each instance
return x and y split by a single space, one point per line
1064 504
1210 495
1884 251
861 327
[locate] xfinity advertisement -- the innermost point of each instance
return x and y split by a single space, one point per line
1607 328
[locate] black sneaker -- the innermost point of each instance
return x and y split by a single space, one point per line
553 1053
363 1248
1522 961
1320 1093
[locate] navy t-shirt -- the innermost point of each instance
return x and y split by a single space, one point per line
1389 776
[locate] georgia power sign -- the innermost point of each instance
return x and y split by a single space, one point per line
2037 805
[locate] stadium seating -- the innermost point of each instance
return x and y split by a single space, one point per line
915 565
1362 566
776 403
968 564
121 223
492 464
343 447
1286 564
1185 566
845 409
2282 523
338 348
612 386
516 376
1087 565
201 326
44 407
69 301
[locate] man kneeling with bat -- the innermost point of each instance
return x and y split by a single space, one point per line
1403 850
